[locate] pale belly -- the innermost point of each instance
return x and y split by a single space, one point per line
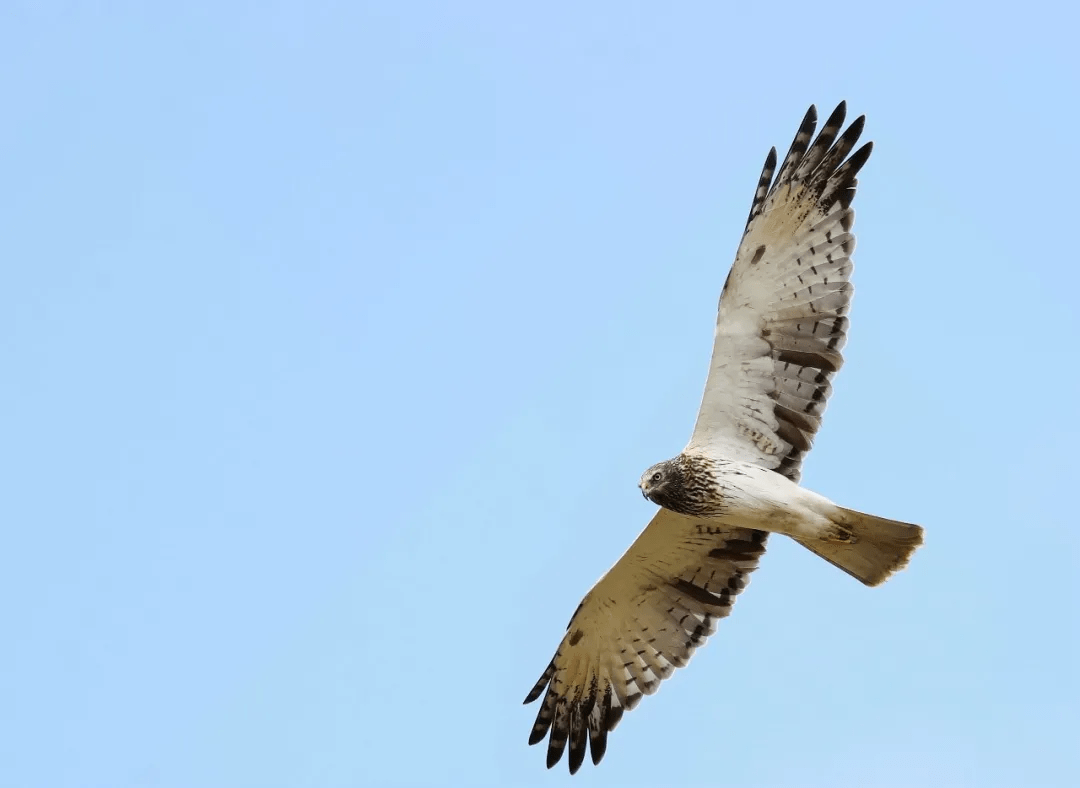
753 497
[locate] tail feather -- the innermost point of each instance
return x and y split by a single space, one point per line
876 550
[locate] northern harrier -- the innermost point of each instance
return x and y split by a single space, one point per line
779 333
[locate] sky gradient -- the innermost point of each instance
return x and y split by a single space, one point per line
336 337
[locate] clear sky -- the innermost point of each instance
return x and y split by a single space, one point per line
336 336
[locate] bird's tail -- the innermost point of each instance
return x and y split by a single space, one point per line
868 548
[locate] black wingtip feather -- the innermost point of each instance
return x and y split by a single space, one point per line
578 732
799 144
762 190
540 685
554 754
770 160
859 157
598 746
857 126
544 718
599 725
560 729
537 735
836 118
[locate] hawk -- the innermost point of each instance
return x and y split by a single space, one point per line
779 333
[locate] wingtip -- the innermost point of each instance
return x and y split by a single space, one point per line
554 754
858 124
542 683
857 159
577 757
836 118
597 748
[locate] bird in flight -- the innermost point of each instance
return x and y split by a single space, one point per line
779 332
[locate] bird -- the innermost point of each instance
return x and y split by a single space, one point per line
780 329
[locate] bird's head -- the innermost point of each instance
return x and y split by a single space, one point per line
662 483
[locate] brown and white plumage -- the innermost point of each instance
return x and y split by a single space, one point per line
779 332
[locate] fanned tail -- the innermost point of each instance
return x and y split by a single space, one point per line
878 548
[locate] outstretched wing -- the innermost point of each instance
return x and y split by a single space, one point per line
781 322
643 619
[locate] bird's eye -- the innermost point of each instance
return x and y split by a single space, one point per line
657 476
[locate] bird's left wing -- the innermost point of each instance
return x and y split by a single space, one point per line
643 619
781 322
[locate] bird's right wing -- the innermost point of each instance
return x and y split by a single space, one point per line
643 619
781 323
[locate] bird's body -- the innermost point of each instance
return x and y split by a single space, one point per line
780 328
743 495
738 494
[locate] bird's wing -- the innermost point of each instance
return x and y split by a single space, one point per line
781 321
643 619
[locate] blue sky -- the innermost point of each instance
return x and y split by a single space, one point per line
336 337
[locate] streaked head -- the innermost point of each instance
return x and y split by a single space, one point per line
685 484
662 482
